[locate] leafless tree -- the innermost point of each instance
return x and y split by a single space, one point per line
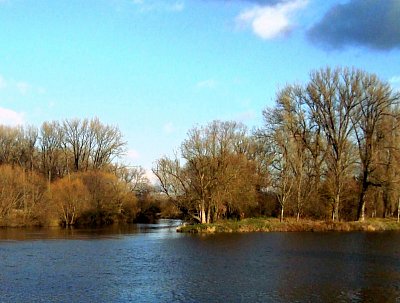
331 96
376 100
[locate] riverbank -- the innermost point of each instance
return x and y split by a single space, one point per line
290 225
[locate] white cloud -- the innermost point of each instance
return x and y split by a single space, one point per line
177 6
168 128
132 155
151 176
269 22
395 82
209 84
10 117
23 87
245 116
156 5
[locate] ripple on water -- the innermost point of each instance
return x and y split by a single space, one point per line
159 265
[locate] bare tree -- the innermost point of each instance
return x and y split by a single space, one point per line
375 102
51 146
105 143
92 143
216 169
77 137
331 96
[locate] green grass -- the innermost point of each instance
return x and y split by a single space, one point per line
290 225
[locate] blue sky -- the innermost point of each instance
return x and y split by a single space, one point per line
156 68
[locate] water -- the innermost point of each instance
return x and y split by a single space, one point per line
153 263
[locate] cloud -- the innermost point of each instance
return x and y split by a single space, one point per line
10 117
133 154
260 2
395 82
177 7
209 84
245 116
23 87
156 5
151 176
370 23
168 128
271 21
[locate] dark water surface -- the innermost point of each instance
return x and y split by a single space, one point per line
153 263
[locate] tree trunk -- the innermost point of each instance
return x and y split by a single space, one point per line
281 217
361 206
385 203
299 197
202 213
361 201
398 210
335 213
208 219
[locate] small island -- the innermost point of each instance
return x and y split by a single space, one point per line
290 225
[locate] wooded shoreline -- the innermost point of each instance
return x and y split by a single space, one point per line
328 150
290 225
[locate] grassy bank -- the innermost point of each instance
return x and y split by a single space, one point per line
290 225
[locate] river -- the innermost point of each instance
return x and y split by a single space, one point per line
153 263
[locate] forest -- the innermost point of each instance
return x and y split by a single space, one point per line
327 150
65 173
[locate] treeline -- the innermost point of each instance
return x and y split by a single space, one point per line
328 149
65 173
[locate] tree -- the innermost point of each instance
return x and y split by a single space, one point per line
20 194
332 97
105 144
10 137
110 198
375 102
53 155
387 156
216 169
11 190
174 182
71 199
93 144
134 176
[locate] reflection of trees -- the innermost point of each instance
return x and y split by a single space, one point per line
337 267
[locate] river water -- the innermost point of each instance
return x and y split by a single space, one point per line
153 263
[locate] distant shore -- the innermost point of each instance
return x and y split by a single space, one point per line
290 225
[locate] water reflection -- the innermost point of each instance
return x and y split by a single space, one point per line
163 227
153 263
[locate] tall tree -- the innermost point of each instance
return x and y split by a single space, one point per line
79 139
217 174
376 100
51 147
105 143
332 96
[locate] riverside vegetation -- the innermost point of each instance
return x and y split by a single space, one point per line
290 225
327 154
